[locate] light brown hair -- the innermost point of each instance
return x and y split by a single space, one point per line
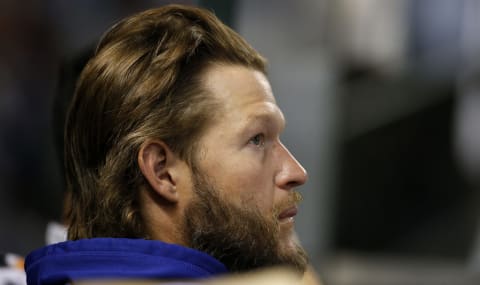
143 82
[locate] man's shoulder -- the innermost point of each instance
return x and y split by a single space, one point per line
118 258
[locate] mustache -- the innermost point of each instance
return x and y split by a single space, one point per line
293 199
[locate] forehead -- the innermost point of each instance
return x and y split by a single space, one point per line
241 91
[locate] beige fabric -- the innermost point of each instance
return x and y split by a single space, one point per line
273 276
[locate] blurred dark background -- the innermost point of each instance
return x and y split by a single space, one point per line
382 99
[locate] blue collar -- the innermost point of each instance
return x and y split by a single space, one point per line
117 258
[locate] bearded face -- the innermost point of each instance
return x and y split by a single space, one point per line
240 237
243 180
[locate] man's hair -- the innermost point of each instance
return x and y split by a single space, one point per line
144 82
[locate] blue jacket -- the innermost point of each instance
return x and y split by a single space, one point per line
116 258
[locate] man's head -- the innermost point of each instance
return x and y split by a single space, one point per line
173 134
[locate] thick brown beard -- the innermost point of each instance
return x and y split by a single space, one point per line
242 239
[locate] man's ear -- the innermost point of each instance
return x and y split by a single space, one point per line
155 160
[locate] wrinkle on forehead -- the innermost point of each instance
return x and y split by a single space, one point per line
268 112
237 84
245 99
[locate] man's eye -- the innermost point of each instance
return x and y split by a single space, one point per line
258 140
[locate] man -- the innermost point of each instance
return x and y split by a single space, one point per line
173 158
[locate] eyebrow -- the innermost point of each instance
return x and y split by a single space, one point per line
269 117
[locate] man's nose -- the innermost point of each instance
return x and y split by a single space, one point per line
292 173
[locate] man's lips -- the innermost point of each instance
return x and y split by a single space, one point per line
288 213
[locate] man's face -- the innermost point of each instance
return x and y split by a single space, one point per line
244 177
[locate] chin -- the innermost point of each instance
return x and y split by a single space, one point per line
290 248
288 245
